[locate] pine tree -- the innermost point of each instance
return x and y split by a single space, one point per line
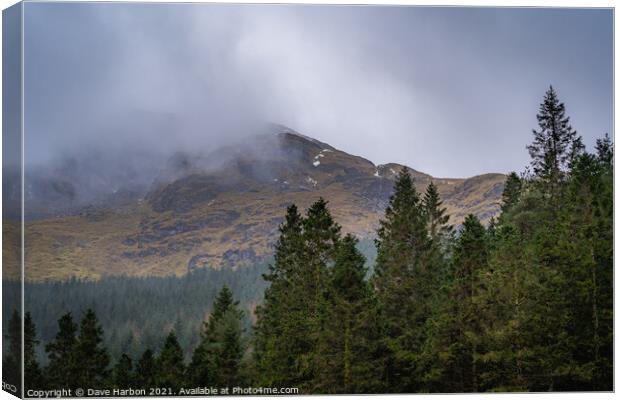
12 362
217 359
122 374
145 370
170 369
585 243
555 143
454 344
354 351
91 355
61 371
291 337
405 281
275 345
438 227
512 192
33 378
321 235
605 151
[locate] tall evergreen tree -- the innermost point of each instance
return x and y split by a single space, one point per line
438 227
275 342
353 356
144 375
170 368
451 359
555 143
122 374
321 235
90 353
404 281
62 371
217 359
33 378
512 191
12 362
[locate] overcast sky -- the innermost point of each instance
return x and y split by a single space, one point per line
448 91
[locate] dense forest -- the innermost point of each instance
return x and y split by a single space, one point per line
523 304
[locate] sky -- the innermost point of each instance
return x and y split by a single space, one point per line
452 92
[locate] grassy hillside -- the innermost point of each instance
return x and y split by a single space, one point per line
228 216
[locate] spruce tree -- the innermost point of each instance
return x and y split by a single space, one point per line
605 151
405 281
170 369
470 262
275 344
122 374
321 235
555 143
438 227
144 376
353 357
91 356
33 378
61 371
12 362
217 359
451 352
512 191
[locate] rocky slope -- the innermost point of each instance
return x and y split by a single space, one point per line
220 210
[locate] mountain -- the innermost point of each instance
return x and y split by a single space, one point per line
215 210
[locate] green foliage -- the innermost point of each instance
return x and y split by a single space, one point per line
406 278
170 367
278 336
122 374
217 360
512 192
91 356
353 329
436 216
62 368
12 361
144 375
555 144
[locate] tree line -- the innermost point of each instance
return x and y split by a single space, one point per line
522 304
78 358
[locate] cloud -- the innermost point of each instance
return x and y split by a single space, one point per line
452 92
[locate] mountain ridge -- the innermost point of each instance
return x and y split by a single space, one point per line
222 209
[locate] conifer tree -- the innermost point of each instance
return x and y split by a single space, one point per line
91 356
605 151
470 259
12 362
321 235
275 346
217 359
555 143
122 374
404 281
512 191
584 244
61 371
144 376
353 358
451 351
438 227
33 378
170 369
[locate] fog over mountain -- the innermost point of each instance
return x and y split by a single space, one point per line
427 87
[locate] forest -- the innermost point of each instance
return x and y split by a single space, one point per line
522 304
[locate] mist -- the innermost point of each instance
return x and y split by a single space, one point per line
448 91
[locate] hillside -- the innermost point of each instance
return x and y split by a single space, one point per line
222 209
